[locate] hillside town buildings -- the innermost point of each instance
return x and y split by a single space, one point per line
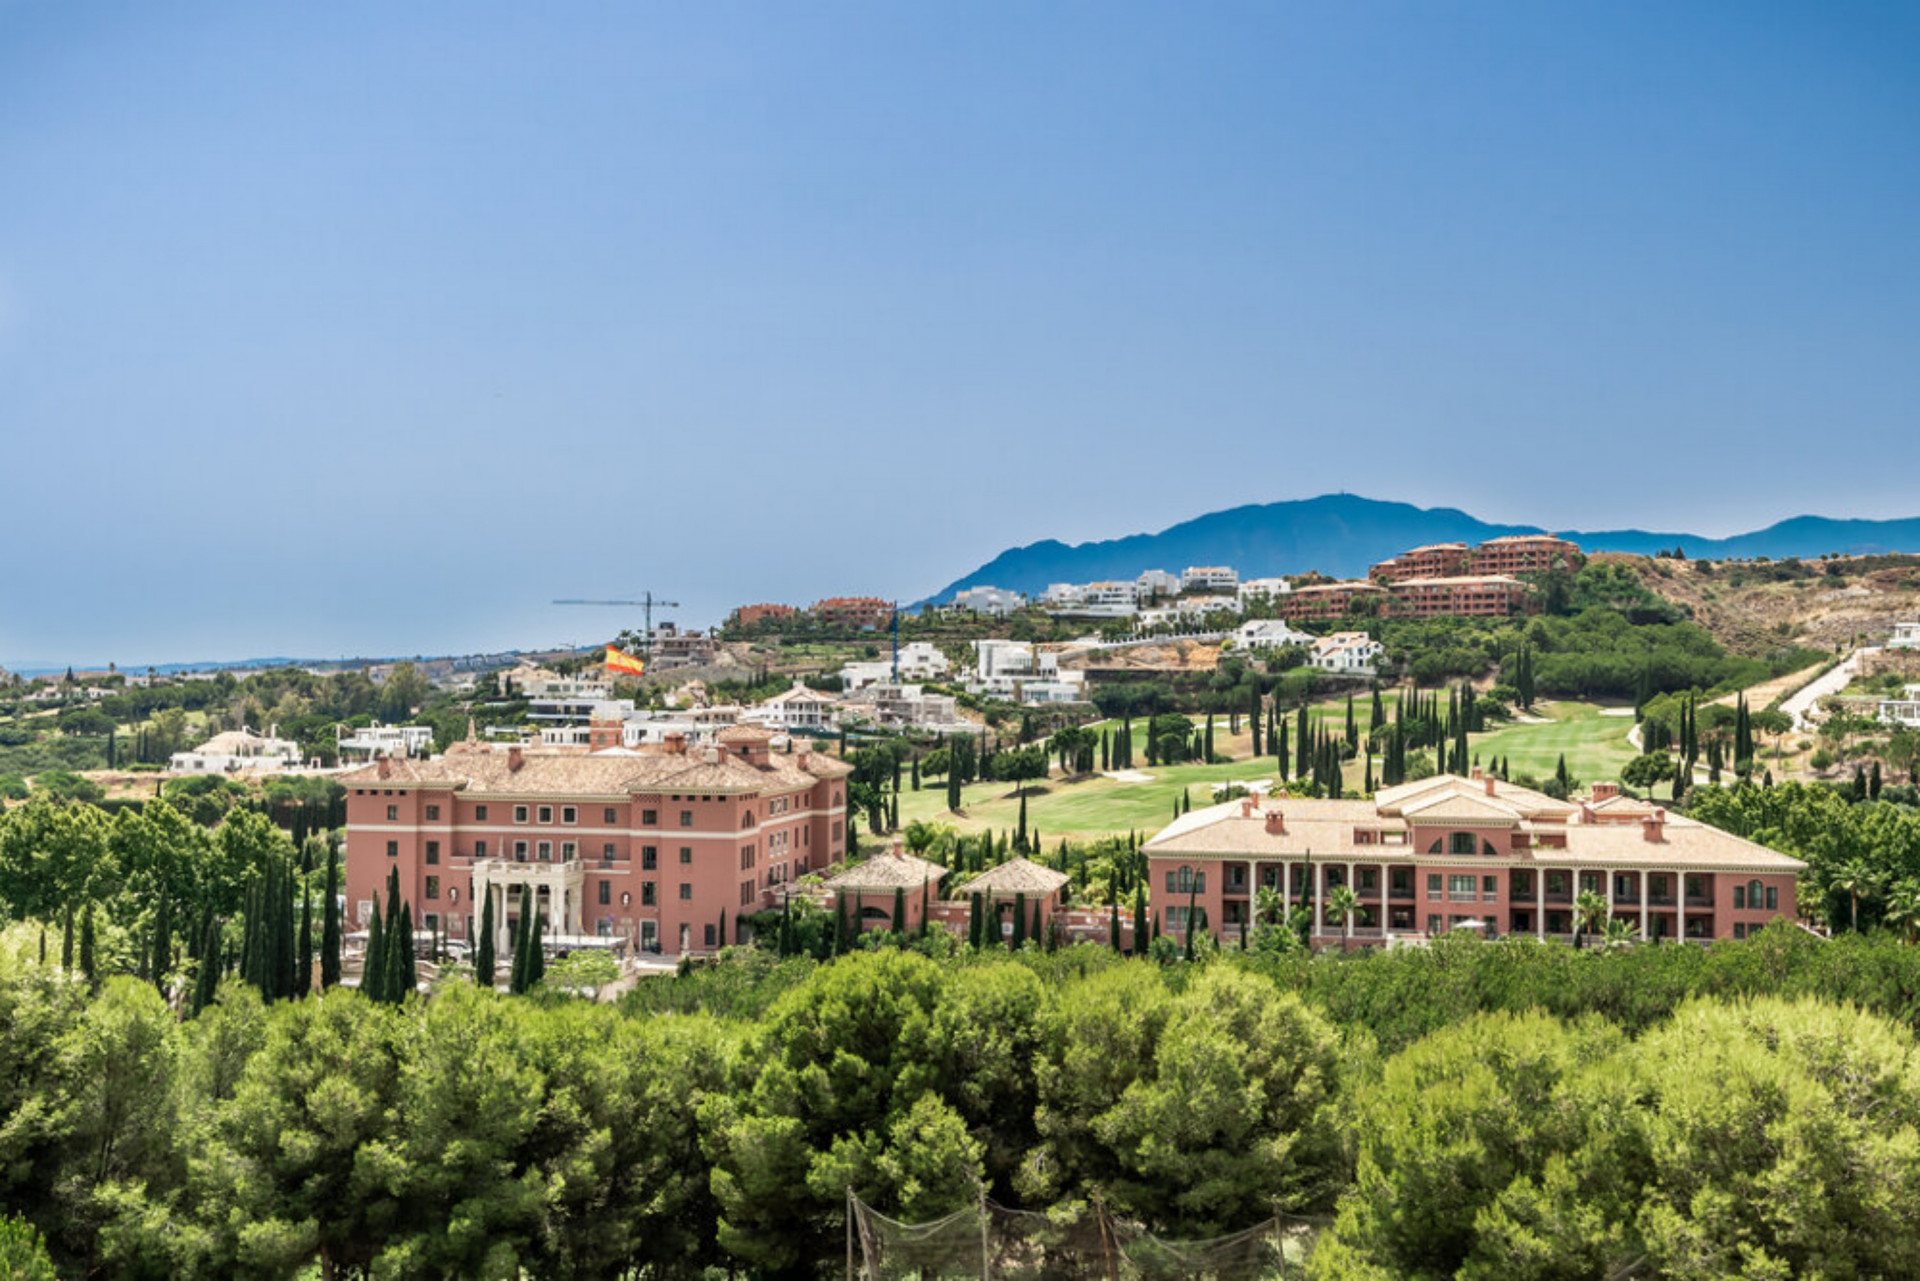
1450 853
665 846
994 602
239 749
917 661
1017 672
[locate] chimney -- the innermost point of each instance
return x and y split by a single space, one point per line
1654 826
711 756
384 766
602 733
897 850
1246 807
675 743
1476 773
1605 791
515 759
1276 823
1489 781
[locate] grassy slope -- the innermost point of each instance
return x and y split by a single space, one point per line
1595 745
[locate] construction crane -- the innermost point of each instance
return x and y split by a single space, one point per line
647 602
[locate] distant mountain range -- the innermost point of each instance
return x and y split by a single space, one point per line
1343 534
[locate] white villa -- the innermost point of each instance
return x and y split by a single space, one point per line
1905 636
919 661
1347 653
239 749
384 740
798 710
1270 633
993 601
1904 711
1014 670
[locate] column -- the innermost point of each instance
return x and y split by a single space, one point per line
1644 935
1253 892
1286 884
1353 883
1320 902
557 908
1608 873
1540 902
1680 905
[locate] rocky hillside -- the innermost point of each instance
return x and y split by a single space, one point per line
1754 606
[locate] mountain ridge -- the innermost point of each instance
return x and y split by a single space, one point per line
1344 534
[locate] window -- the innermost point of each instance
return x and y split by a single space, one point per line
686 891
686 855
567 814
519 851
686 818
1460 887
1187 881
1756 894
1433 886
433 851
393 849
433 813
1739 898
479 849
610 816
1369 879
546 851
746 893
433 887
1177 919
709 936
479 813
746 857
648 894
519 813
393 813
1462 843
606 893
546 813
567 851
649 818
606 852
649 857
1402 879
1773 899
1490 887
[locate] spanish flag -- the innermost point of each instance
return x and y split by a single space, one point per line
621 661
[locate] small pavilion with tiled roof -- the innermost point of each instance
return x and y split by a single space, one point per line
1024 882
873 888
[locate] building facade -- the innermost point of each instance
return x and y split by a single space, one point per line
666 847
861 613
1468 596
1475 853
1525 554
1435 560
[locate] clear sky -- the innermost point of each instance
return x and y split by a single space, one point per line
349 328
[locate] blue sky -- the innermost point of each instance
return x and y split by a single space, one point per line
369 328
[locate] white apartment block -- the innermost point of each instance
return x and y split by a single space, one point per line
919 661
1157 582
384 740
1270 633
1263 589
1905 636
1209 578
238 749
993 601
1015 671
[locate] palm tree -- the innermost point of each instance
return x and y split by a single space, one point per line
1342 906
1589 913
1619 934
1854 877
1903 907
1269 906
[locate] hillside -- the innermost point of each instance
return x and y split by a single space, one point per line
1343 534
1751 608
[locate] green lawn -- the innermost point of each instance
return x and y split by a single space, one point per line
1595 746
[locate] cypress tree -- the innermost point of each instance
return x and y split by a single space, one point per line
1020 831
1140 939
1280 751
974 925
400 956
1303 767
926 908
330 924
517 971
1193 897
303 954
162 941
537 955
1353 727
1019 920
373 966
899 910
1038 935
1207 747
1113 927
87 960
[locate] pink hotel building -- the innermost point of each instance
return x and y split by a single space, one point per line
1449 853
664 846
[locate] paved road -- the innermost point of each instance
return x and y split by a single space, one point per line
1810 694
